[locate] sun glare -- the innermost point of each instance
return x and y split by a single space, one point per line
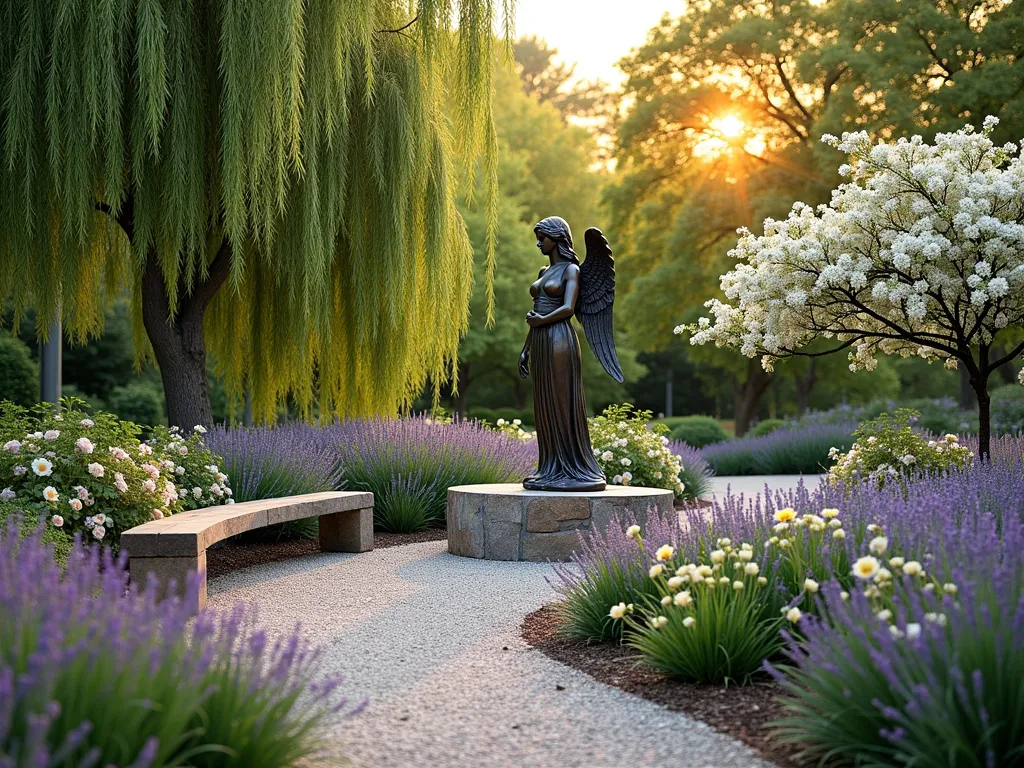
729 126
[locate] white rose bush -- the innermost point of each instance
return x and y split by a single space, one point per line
91 475
633 451
920 253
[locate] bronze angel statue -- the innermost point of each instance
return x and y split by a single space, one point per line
552 353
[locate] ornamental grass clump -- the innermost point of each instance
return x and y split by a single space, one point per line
712 620
631 450
409 464
90 474
607 569
887 450
94 672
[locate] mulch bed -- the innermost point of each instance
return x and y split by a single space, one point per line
228 556
681 504
742 712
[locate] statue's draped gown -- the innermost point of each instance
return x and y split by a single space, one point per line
566 458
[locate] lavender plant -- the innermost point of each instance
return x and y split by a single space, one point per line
272 462
695 474
802 450
409 464
607 569
94 672
935 682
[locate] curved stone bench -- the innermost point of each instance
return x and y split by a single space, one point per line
175 546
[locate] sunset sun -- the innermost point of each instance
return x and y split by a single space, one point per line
729 126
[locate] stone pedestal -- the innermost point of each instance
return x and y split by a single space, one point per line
507 522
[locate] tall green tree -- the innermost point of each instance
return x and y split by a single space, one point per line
274 181
543 170
729 101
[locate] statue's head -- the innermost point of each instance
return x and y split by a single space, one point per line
557 230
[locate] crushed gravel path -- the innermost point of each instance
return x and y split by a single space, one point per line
432 640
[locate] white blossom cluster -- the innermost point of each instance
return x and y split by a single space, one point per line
922 247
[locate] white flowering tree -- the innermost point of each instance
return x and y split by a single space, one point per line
921 253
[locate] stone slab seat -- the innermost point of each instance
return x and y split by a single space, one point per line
175 546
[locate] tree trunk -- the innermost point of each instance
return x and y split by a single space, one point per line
979 374
177 339
967 390
984 422
748 395
804 385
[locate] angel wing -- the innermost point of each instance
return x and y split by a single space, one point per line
596 298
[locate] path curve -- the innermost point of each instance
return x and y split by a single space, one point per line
432 640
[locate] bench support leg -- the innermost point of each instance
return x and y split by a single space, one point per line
176 569
350 531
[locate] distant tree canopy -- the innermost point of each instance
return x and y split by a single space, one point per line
552 81
729 101
543 170
273 180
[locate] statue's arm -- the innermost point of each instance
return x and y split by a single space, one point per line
524 356
564 312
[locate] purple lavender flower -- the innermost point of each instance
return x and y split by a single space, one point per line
409 464
93 670
271 462
782 452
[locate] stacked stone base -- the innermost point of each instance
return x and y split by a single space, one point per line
507 522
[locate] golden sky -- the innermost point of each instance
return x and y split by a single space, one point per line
593 33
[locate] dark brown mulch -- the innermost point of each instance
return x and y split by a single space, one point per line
228 556
742 712
681 504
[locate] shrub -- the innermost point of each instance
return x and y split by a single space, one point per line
95 673
511 414
607 569
632 452
19 375
802 450
272 462
409 464
513 429
843 414
887 448
138 401
698 431
201 483
1008 410
766 427
92 476
28 523
482 414
941 416
671 421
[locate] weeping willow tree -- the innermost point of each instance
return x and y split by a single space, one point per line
274 180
